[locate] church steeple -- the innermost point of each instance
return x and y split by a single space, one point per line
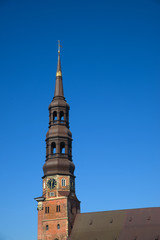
59 137
59 84
58 206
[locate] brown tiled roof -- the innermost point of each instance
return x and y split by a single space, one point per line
132 224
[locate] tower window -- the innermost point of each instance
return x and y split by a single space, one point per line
58 209
53 148
62 148
54 116
51 194
44 184
63 182
61 116
69 148
47 227
67 116
58 226
46 209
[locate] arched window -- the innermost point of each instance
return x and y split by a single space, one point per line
72 184
47 149
58 226
67 116
62 147
47 227
58 209
61 116
63 182
53 148
54 116
46 209
69 148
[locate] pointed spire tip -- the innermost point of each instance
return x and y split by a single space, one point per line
59 84
59 72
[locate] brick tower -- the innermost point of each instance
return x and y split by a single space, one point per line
58 205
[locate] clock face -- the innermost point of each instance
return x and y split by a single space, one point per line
51 183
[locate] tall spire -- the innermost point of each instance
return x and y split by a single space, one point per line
59 85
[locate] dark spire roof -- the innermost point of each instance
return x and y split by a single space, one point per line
59 84
58 137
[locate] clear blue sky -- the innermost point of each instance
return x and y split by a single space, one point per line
111 74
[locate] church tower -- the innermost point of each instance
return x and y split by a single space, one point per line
58 205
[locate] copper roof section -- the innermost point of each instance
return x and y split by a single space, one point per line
132 224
